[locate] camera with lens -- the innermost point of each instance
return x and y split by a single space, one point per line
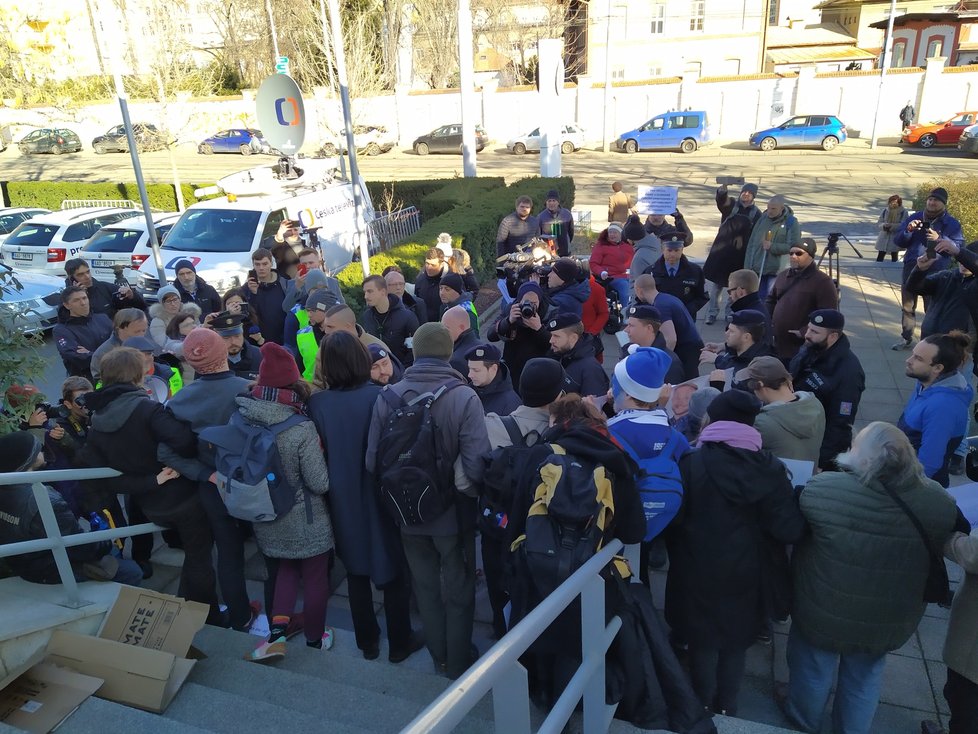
51 412
516 268
528 309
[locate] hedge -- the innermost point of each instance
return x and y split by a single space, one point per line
50 194
403 193
456 192
962 201
472 225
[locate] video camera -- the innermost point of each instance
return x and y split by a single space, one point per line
534 257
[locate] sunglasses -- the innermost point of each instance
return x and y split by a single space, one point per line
797 253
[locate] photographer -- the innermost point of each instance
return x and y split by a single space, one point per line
920 231
103 297
522 330
953 292
65 437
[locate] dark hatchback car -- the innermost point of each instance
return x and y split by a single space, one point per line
448 139
148 137
50 140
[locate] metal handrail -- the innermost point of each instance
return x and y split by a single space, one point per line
499 669
55 541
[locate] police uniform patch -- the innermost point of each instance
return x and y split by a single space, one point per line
845 408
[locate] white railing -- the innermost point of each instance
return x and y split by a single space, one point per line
55 541
111 203
389 228
500 671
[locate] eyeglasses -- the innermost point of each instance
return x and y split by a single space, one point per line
797 253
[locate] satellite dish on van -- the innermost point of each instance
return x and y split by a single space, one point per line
281 113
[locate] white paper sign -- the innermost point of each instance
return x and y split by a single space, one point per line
798 471
657 199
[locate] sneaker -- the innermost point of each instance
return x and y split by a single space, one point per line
415 643
956 465
902 344
326 641
710 320
267 650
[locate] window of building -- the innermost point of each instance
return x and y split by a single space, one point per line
731 67
697 14
655 71
658 17
899 54
618 73
935 47
773 12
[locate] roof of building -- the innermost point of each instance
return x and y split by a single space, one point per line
811 54
820 34
935 17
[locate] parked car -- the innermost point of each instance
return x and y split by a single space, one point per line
369 139
50 140
32 301
448 139
236 140
43 243
825 131
947 132
10 217
148 137
572 138
968 142
685 131
124 245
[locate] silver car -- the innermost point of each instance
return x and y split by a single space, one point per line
29 300
571 139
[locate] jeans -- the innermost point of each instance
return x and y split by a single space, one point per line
715 291
445 561
397 612
622 288
314 572
717 676
229 539
857 693
962 701
129 573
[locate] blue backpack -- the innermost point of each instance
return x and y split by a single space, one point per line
250 476
659 485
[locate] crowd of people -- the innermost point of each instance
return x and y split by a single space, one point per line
726 458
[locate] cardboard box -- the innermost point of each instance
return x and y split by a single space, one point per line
39 699
141 649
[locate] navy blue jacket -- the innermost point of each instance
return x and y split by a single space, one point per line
585 373
916 242
76 331
498 396
688 284
570 297
268 303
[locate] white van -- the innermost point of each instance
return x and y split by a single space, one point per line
219 235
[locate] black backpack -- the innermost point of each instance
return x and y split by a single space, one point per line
504 468
572 510
416 485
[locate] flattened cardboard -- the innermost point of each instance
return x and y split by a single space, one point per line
41 698
154 621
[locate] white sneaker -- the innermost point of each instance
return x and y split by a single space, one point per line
329 637
902 344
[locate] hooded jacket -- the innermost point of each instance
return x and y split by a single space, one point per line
292 535
647 251
595 312
585 373
607 256
688 284
935 420
728 249
793 429
836 378
794 295
81 331
268 301
392 328
785 232
415 306
498 396
727 561
571 297
954 298
204 295
467 340
127 428
461 434
859 575
159 319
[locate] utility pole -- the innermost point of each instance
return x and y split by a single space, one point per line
607 81
271 26
765 22
466 74
887 42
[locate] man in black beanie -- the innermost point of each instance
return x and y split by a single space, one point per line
558 223
20 519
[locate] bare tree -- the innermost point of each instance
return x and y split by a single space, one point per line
436 42
513 30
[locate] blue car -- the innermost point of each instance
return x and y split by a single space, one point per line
236 140
824 131
685 131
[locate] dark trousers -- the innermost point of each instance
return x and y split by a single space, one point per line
962 701
397 612
229 539
141 545
881 255
689 355
908 313
437 562
717 676
314 574
492 565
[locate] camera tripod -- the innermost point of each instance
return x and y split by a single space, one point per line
831 250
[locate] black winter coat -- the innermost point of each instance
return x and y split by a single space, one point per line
104 298
127 429
688 285
954 298
81 331
426 290
728 249
267 302
498 396
520 344
468 339
837 379
727 561
585 373
205 296
392 328
416 306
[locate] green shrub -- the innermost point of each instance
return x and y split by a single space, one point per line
455 193
401 194
50 194
408 257
962 200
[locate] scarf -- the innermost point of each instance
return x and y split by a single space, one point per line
736 435
282 396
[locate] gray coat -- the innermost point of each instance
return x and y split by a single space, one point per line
291 536
961 646
647 251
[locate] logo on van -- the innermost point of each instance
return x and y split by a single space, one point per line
194 260
293 103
